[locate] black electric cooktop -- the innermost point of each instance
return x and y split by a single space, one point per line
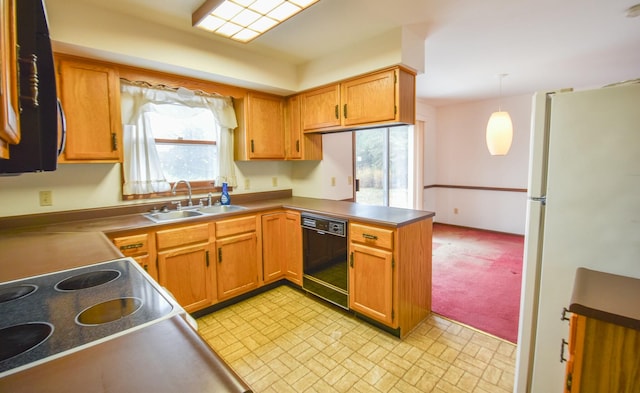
47 316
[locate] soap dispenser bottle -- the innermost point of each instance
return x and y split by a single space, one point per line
224 197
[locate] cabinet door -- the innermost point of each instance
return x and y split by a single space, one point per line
90 97
236 265
273 246
321 108
300 146
293 247
369 99
10 131
371 283
185 273
265 126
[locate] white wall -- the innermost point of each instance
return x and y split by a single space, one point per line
313 179
457 155
88 186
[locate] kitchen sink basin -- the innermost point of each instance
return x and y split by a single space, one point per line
219 209
172 215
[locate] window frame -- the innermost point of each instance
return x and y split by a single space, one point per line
174 81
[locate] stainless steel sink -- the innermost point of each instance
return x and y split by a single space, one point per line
219 209
173 215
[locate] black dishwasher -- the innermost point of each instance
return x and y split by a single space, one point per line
324 242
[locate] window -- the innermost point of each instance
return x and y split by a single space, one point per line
186 142
384 162
173 134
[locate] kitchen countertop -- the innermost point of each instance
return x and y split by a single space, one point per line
166 357
388 216
607 297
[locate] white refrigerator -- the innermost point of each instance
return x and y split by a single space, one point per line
583 210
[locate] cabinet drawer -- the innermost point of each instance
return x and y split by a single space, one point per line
371 236
181 236
132 245
235 226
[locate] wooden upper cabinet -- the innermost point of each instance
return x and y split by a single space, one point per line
380 98
9 115
321 108
260 131
369 99
299 146
90 96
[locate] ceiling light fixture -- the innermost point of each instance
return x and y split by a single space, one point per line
499 129
633 11
244 20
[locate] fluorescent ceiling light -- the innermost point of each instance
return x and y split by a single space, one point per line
244 20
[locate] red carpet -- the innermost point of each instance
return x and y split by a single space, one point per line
477 276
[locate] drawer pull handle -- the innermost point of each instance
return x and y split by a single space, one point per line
206 255
369 237
564 314
351 259
219 254
132 246
337 111
562 345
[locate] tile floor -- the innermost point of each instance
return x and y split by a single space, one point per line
287 341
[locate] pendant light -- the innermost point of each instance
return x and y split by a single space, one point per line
499 129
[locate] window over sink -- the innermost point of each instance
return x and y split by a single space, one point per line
175 133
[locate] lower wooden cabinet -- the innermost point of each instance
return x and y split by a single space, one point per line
371 283
236 256
184 265
282 247
142 248
184 272
371 264
390 273
603 357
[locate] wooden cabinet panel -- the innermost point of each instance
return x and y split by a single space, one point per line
235 226
370 99
293 247
603 357
236 265
282 246
299 146
260 131
9 113
378 99
90 96
273 246
181 236
372 236
371 283
321 108
185 273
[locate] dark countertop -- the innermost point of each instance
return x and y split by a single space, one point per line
166 357
388 216
607 297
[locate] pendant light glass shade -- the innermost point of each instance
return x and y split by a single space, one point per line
499 133
499 129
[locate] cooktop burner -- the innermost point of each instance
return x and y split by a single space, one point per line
49 315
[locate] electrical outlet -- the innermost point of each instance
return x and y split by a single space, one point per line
46 198
333 181
349 180
274 181
246 184
455 210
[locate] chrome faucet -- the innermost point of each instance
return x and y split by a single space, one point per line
175 185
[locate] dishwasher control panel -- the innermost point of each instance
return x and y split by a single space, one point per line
324 224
